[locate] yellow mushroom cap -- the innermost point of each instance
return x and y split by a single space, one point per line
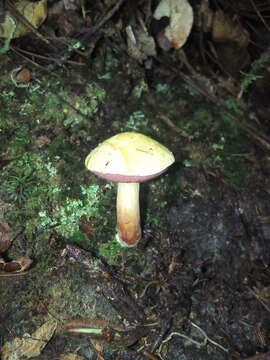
129 157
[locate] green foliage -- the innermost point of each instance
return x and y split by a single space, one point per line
137 121
139 88
231 104
153 219
87 104
110 250
67 214
111 62
20 183
48 189
231 125
26 176
78 45
202 122
43 200
260 63
204 117
248 80
61 145
256 68
6 118
162 88
19 143
54 105
7 94
106 76
220 144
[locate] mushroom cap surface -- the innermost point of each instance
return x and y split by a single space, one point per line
129 157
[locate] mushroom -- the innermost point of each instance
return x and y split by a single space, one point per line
129 158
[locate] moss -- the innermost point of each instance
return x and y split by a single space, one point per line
49 188
38 181
110 250
61 146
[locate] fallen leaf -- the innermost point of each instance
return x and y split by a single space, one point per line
23 75
40 141
18 265
225 29
140 44
88 229
4 161
231 41
35 13
180 15
6 236
29 345
260 356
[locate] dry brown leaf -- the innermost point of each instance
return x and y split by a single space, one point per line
4 161
23 75
180 14
29 345
17 266
225 29
35 13
6 236
40 141
260 356
140 44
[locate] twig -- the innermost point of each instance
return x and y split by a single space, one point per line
175 128
259 299
95 28
154 282
21 53
14 274
258 138
25 57
63 101
183 58
197 343
259 15
100 23
209 339
64 56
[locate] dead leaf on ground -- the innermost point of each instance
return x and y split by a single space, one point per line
23 75
88 229
140 44
231 40
69 23
260 356
35 13
225 29
6 236
40 141
29 345
180 15
4 161
17 266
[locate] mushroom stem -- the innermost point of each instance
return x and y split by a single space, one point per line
128 214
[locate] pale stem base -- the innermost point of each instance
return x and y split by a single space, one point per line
128 214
